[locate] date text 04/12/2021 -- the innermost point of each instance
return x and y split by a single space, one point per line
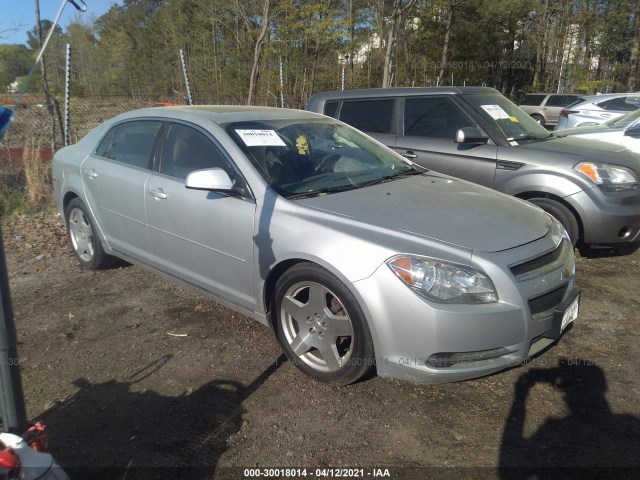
318 472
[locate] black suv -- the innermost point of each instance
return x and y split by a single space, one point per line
477 134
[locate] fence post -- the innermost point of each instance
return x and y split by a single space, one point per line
67 80
186 78
281 86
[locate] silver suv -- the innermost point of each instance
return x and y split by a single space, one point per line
476 134
544 108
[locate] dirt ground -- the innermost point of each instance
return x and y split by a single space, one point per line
137 378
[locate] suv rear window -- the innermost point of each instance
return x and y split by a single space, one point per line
372 116
532 99
560 100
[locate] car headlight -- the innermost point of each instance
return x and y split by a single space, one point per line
443 282
558 231
611 178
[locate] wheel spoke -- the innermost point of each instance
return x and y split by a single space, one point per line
295 309
82 247
329 354
86 229
317 297
299 344
340 327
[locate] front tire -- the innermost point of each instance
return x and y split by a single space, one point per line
320 326
83 236
563 214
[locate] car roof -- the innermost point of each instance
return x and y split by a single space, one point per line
218 113
553 93
402 91
593 98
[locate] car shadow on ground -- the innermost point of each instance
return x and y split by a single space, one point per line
113 431
589 442
606 252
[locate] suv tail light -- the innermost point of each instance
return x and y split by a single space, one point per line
565 113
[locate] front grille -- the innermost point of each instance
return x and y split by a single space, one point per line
536 263
548 300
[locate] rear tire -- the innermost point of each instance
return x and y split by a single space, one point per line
83 236
538 118
562 214
320 326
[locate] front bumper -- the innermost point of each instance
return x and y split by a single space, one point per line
608 218
425 342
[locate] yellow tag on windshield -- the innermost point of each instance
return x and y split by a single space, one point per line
302 145
513 119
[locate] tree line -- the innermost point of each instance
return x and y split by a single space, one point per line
259 51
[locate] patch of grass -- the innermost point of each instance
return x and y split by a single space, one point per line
27 190
13 200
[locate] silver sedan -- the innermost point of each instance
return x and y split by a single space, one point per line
354 257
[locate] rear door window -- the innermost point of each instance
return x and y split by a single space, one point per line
435 117
130 142
330 108
532 99
556 101
372 116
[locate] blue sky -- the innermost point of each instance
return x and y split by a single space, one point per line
17 17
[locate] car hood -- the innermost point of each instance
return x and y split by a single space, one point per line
585 130
588 150
441 208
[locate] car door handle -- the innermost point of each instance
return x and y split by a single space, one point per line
158 193
409 154
91 173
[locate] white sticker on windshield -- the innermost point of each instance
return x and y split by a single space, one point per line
495 111
260 138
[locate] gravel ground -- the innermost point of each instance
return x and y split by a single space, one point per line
137 378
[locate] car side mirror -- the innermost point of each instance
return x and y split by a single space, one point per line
214 179
470 135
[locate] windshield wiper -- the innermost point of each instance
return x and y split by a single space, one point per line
392 176
530 138
322 191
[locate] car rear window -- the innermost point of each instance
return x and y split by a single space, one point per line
372 116
532 99
577 101
621 104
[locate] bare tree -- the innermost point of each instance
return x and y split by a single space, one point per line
453 4
399 16
257 53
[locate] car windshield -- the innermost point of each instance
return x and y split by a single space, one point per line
625 120
516 125
315 156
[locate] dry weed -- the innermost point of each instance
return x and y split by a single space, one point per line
36 175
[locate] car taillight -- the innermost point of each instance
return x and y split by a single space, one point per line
565 113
